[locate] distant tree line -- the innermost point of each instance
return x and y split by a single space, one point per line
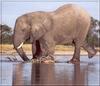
93 40
93 37
6 33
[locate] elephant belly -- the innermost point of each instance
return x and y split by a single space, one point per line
63 39
64 42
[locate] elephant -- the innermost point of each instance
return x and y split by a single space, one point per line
69 24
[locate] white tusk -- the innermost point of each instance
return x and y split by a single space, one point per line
20 45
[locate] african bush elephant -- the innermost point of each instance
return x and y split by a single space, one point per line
68 24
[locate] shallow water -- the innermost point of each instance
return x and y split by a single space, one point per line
61 73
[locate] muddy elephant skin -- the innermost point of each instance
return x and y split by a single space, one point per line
68 24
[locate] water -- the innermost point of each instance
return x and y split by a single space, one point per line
60 74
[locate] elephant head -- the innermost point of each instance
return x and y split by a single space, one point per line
21 34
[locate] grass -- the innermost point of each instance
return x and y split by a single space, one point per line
27 47
8 48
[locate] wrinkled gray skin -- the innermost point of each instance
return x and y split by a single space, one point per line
68 24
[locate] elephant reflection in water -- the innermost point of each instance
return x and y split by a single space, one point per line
50 74
79 75
18 75
43 74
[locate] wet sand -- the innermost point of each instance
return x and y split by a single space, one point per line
57 74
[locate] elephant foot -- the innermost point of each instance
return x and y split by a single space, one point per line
43 59
74 61
36 59
47 60
90 55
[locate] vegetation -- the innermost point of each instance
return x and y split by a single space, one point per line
5 34
94 41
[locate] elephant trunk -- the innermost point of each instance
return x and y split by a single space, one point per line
18 46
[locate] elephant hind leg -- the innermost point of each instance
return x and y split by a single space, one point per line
76 57
47 47
91 50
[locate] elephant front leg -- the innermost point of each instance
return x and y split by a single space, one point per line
47 48
76 56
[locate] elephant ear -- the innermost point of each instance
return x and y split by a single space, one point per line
37 31
40 29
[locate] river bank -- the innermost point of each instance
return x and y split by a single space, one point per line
59 49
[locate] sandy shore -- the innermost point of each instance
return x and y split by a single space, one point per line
59 49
